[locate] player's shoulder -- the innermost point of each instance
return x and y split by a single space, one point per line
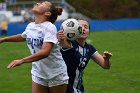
91 46
75 43
31 23
49 26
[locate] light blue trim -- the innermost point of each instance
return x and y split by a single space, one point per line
94 54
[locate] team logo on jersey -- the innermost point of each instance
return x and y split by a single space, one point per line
40 34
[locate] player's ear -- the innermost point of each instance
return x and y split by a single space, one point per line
47 14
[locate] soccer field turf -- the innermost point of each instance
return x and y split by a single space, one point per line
123 77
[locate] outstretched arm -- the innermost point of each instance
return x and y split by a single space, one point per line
103 61
14 38
44 52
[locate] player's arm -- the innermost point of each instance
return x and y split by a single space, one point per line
103 61
44 52
14 38
63 41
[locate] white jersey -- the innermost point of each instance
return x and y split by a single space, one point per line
35 35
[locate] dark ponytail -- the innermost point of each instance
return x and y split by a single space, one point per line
55 12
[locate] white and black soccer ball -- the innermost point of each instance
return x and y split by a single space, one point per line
71 28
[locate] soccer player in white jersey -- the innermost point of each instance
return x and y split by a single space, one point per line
77 54
49 72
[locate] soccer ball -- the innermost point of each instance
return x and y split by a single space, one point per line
71 28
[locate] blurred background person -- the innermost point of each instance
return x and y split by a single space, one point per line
4 27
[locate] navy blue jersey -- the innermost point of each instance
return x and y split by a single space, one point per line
76 59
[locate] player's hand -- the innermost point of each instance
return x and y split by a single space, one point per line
15 63
107 55
61 35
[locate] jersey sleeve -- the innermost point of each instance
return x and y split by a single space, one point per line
24 34
93 50
50 34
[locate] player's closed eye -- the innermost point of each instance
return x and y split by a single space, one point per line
85 26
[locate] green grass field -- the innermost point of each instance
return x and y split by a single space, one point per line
123 77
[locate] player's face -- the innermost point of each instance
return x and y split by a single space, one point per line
85 27
41 8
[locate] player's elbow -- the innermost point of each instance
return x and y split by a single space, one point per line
44 54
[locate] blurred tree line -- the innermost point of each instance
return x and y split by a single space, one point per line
107 9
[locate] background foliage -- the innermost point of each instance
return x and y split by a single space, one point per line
107 9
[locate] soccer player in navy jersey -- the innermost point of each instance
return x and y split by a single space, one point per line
77 54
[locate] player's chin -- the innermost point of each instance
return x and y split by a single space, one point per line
83 37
